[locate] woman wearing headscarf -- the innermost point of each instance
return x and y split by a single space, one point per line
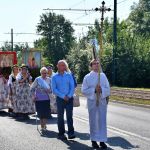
41 89
24 102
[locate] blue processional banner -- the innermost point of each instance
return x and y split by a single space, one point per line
32 58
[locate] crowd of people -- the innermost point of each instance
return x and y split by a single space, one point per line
22 97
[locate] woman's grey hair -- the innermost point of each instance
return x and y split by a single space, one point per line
43 69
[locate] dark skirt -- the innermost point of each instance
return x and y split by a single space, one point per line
43 109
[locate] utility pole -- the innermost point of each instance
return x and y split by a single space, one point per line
114 43
11 39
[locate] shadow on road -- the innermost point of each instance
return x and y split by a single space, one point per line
33 120
83 136
72 144
3 113
75 145
121 142
48 134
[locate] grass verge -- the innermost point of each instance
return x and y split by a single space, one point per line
130 100
122 99
141 89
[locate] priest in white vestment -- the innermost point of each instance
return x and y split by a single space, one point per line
97 114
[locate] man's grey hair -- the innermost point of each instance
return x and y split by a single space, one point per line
63 61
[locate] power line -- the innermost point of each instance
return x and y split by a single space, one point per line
85 15
76 4
122 1
70 9
15 42
83 10
83 24
23 33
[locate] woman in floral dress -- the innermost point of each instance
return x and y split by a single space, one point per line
3 92
12 88
24 102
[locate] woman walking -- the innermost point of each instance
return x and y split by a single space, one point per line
41 90
24 103
3 91
12 89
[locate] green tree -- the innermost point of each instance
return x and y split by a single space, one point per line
79 58
6 46
57 35
140 17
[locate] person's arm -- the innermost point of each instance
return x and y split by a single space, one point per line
9 84
9 80
33 86
55 90
86 89
75 81
71 86
18 78
48 83
33 89
27 77
105 86
30 79
4 80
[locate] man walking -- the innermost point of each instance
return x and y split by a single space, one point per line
97 113
63 88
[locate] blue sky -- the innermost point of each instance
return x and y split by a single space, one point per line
23 15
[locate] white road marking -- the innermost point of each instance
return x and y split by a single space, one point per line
115 130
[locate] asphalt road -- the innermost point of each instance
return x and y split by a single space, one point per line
128 128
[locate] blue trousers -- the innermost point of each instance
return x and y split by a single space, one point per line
61 107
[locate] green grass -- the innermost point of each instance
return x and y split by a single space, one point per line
122 99
130 100
142 89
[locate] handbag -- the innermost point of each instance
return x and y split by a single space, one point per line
53 104
76 101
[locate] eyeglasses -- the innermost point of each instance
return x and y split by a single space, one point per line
49 67
44 73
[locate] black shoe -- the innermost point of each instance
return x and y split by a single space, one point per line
11 114
103 145
62 137
71 136
94 145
